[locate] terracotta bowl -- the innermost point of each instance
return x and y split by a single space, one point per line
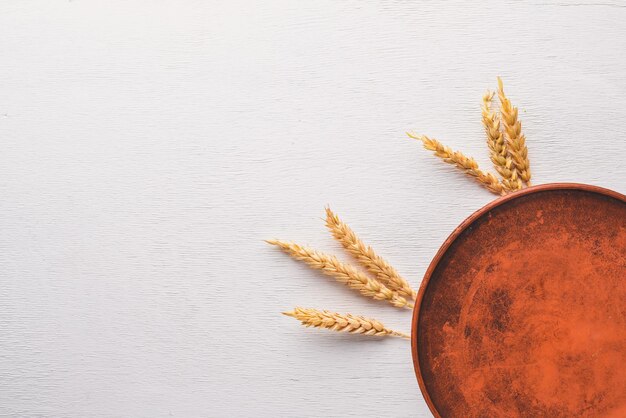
522 312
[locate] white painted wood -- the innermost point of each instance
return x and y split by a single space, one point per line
148 147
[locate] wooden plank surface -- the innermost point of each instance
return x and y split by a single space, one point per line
148 148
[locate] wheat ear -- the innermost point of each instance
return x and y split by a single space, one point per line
343 273
342 323
498 152
515 139
466 164
365 255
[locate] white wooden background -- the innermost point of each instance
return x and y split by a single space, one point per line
148 147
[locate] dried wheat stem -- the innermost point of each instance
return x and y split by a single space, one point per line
342 323
467 164
343 273
365 255
498 152
515 139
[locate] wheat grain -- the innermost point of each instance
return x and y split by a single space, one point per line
466 164
343 273
342 323
516 141
365 255
498 152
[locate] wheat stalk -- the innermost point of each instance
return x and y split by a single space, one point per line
498 152
343 273
516 141
342 323
466 164
365 255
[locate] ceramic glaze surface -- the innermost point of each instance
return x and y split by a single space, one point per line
524 313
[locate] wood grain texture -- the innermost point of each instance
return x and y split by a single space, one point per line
149 147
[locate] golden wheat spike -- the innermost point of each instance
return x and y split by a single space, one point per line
466 164
343 273
498 151
342 323
516 141
365 255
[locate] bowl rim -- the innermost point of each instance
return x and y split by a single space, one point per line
455 234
